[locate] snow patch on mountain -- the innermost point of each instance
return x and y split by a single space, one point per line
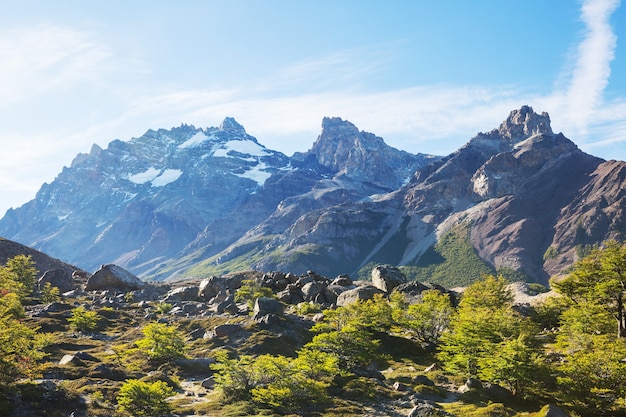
257 174
144 177
156 177
168 176
196 140
246 147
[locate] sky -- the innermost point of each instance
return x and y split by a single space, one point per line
425 75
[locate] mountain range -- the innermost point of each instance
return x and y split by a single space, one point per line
192 202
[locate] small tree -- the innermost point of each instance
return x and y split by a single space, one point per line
162 343
83 320
250 290
600 278
24 271
49 294
144 399
428 319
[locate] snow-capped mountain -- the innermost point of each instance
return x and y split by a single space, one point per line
139 203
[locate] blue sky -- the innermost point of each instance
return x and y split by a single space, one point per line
424 75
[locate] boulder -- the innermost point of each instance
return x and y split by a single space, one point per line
113 277
266 305
471 383
386 278
342 280
363 293
312 289
423 380
223 330
552 410
57 278
412 291
211 287
187 293
208 383
427 409
71 360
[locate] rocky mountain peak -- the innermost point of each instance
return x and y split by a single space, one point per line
519 126
523 123
230 124
343 148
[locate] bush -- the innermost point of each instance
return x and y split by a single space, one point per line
164 308
162 343
49 294
83 320
250 290
144 398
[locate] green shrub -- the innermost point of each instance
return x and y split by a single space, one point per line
164 308
162 342
144 398
250 290
83 320
302 309
49 294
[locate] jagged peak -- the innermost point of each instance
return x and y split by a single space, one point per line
333 123
523 123
518 126
230 123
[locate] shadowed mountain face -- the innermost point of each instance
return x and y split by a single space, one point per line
193 202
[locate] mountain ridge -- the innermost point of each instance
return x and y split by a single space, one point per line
190 202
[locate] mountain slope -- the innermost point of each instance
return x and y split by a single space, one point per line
42 262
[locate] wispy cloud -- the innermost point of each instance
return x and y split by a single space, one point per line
592 69
37 60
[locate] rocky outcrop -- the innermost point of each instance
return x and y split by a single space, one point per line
361 293
386 278
113 277
58 278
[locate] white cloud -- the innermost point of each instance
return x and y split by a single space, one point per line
592 69
37 60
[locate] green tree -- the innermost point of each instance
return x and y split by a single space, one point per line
594 378
20 346
484 334
24 272
427 319
162 342
600 277
147 399
49 294
83 320
285 384
515 362
351 332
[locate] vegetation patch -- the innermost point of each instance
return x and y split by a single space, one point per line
452 262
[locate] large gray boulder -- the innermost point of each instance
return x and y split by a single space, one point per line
211 287
186 293
362 293
266 305
113 277
59 278
386 278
